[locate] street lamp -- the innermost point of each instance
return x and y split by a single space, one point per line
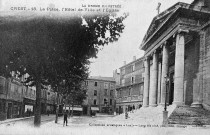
166 94
165 112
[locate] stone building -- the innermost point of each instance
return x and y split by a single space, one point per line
3 98
29 100
17 100
177 45
101 95
130 90
14 98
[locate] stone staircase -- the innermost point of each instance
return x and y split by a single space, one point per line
190 116
148 115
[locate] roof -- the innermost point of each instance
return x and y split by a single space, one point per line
141 58
101 78
160 20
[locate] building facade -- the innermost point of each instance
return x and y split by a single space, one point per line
176 46
130 90
100 95
17 100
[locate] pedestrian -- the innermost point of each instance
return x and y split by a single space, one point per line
65 118
126 113
48 112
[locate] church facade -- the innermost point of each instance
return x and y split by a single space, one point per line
177 46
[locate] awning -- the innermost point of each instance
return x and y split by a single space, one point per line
74 108
94 108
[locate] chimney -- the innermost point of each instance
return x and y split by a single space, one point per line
134 58
124 63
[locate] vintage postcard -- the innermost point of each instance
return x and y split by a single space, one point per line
104 67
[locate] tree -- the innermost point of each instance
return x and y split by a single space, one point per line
51 50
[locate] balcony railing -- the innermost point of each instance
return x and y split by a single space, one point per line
128 83
130 98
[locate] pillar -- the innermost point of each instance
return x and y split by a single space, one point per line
159 83
146 82
198 82
179 69
165 60
154 81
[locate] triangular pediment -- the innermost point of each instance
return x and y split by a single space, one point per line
158 21
167 17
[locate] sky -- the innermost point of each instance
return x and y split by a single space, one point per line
112 56
141 13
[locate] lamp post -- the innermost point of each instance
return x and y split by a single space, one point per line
166 95
165 112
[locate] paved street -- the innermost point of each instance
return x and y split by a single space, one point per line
85 125
27 121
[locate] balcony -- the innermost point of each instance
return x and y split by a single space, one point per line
129 83
132 98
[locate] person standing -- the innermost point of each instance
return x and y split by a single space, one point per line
65 118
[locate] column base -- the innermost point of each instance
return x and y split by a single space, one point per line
165 118
178 103
153 105
144 106
163 104
196 105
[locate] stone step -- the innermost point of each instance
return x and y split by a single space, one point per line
190 116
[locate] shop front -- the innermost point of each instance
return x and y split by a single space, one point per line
14 101
28 107
3 113
14 109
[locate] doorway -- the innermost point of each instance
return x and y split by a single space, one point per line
171 88
9 111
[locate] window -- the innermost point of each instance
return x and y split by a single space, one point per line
111 86
129 91
132 80
132 68
106 85
95 92
94 102
95 84
105 92
111 92
110 101
105 101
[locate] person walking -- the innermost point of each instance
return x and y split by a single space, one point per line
65 118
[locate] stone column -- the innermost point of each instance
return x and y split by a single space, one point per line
154 81
179 69
198 82
164 72
146 82
159 83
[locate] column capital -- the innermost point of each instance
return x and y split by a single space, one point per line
201 32
182 31
146 58
164 44
154 52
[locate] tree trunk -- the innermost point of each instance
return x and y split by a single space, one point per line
72 110
57 108
37 118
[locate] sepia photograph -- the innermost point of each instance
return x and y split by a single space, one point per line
94 67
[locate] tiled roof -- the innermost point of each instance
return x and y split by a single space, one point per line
101 78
